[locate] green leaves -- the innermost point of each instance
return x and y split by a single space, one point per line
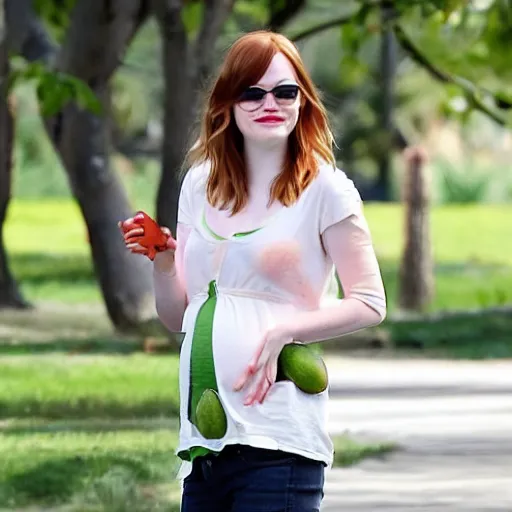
444 8
256 11
463 44
354 65
353 71
54 89
191 14
352 35
55 14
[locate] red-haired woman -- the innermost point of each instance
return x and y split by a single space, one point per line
265 218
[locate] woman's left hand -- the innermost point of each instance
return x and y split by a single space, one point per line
262 370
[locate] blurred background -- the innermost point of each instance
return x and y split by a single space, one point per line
99 103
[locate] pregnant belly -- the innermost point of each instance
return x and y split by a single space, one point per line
238 329
225 332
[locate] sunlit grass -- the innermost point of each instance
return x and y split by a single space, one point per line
99 433
88 465
45 226
51 466
78 386
472 248
473 234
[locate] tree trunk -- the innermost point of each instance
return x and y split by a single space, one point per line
387 72
10 295
27 35
186 65
98 35
179 107
416 275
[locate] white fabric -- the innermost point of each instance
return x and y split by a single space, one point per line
249 303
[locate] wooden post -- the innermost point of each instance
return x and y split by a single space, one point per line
416 275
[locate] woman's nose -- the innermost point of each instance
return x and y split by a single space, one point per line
270 102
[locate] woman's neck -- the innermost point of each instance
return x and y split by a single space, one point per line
264 161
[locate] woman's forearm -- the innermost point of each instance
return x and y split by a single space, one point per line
170 299
343 317
169 286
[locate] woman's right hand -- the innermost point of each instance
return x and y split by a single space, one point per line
132 232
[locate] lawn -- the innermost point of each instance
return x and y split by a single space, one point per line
85 386
472 247
89 465
88 419
98 433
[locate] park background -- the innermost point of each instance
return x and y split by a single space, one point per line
98 98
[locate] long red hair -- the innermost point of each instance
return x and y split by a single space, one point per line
221 142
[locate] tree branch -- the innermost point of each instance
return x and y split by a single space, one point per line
311 31
279 17
175 53
115 30
27 35
471 91
358 15
142 16
215 13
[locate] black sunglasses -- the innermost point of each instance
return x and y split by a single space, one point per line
253 97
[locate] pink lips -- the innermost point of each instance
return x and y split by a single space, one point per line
270 119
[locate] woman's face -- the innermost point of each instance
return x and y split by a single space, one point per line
271 117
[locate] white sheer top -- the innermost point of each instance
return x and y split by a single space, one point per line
264 278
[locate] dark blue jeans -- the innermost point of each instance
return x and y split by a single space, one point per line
245 479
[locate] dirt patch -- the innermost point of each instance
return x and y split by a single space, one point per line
49 321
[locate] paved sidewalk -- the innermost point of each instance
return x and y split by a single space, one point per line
453 421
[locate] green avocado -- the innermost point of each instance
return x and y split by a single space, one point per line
304 367
211 418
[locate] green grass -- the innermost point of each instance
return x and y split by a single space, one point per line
51 466
461 234
88 421
51 226
348 451
99 433
91 464
55 386
472 247
90 431
461 336
472 251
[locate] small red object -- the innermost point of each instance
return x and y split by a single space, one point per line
154 240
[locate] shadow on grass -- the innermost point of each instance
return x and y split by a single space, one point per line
73 346
458 284
58 479
86 407
473 336
91 426
148 340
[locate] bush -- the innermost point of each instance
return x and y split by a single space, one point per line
463 186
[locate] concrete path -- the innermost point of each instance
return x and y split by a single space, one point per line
453 421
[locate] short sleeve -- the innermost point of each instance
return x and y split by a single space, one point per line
339 198
192 193
186 200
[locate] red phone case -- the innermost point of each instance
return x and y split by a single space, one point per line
153 239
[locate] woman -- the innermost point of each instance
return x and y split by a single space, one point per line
265 217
